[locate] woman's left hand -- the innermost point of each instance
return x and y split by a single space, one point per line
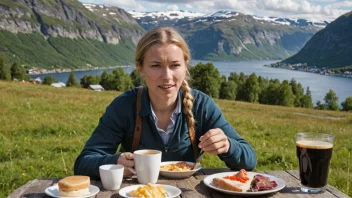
214 141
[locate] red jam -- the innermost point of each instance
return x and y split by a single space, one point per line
241 176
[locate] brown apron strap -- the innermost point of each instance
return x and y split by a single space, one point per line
138 126
192 135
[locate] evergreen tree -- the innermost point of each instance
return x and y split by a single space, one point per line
347 104
17 71
206 78
306 100
285 95
5 73
137 80
71 81
48 80
331 100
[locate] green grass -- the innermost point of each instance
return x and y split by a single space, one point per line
61 52
43 129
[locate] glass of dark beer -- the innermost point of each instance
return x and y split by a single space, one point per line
314 151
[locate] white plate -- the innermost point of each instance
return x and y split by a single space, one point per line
178 174
171 191
53 191
208 181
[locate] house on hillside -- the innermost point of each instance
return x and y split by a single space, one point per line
96 87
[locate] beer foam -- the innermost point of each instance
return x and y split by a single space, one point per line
314 144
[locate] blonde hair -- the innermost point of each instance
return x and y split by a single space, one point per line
167 35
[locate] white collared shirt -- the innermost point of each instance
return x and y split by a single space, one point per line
165 135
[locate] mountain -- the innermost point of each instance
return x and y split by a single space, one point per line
149 20
330 47
64 33
229 35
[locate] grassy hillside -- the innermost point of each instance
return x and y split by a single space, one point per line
330 47
43 129
60 52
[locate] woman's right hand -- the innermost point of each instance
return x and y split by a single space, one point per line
126 159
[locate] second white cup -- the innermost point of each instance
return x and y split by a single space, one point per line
111 176
147 165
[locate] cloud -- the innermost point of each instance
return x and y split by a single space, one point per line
323 1
308 9
189 6
172 1
172 7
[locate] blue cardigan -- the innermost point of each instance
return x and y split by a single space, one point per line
116 127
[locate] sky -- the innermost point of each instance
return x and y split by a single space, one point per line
316 10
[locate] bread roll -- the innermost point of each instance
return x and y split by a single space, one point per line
74 186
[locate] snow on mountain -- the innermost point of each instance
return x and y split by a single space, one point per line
171 14
291 22
162 17
222 14
217 17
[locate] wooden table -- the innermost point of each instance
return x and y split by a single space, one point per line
191 187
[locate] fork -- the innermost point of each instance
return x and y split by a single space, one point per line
201 153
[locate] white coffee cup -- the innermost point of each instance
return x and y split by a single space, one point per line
147 165
111 176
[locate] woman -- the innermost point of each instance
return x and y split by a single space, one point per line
170 111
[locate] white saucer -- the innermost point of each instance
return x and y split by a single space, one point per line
53 191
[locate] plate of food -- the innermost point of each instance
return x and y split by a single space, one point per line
150 191
178 169
72 186
244 183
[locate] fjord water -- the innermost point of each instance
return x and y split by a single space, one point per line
319 85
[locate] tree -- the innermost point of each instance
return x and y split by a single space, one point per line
251 89
320 105
285 95
264 84
228 90
241 93
234 77
271 96
5 73
347 104
137 80
206 78
17 71
48 80
298 91
121 81
331 100
306 100
89 80
106 80
71 81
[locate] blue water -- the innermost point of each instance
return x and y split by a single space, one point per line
319 85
